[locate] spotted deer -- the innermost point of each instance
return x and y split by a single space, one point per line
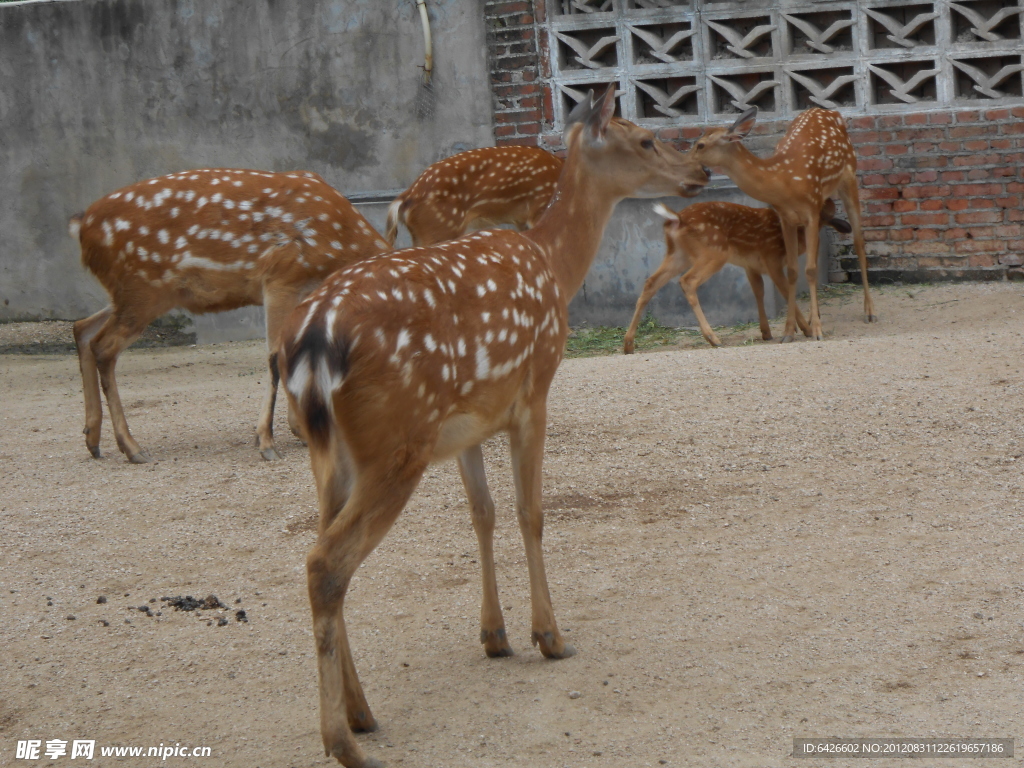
703 238
206 241
480 187
813 161
422 354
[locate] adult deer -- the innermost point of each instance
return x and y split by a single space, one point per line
703 238
206 240
814 160
480 187
420 355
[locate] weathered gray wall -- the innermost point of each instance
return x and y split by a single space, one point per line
97 94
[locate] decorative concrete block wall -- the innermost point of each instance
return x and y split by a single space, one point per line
932 91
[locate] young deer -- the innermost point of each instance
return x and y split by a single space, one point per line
206 240
814 160
486 186
703 238
420 355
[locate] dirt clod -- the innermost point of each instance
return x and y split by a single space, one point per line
189 603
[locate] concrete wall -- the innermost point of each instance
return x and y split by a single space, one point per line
100 93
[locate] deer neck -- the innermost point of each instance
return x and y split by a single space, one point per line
756 177
570 230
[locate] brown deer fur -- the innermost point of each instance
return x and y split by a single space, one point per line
420 355
480 187
206 241
813 161
703 238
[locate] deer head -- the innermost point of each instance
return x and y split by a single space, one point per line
631 160
716 145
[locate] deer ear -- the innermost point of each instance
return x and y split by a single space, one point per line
601 115
582 110
594 113
744 123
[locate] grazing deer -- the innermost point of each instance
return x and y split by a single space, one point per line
481 187
814 160
703 238
421 355
206 240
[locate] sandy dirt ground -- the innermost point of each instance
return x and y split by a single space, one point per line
744 544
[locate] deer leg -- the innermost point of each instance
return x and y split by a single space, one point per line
789 235
668 269
811 232
779 278
694 278
851 203
85 330
527 444
474 479
277 304
379 493
108 343
756 280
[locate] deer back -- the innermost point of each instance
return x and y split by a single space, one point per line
492 185
210 239
427 335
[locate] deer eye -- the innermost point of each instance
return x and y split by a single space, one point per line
700 145
647 144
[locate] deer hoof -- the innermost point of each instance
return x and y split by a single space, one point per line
349 762
362 722
627 348
496 644
270 454
547 646
95 451
786 339
140 458
871 319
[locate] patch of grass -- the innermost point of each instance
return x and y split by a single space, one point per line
607 340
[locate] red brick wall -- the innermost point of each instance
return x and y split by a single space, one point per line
519 100
942 193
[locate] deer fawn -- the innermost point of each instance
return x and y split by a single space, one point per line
702 238
813 160
486 186
420 355
206 240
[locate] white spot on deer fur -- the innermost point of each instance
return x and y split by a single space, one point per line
129 196
429 343
480 290
201 262
298 377
201 202
163 236
483 361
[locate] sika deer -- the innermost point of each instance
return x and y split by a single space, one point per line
206 240
486 186
814 160
421 355
703 238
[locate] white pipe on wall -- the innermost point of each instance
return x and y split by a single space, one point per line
428 46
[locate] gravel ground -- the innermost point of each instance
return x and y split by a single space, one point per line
745 545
